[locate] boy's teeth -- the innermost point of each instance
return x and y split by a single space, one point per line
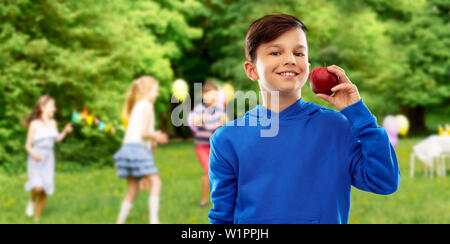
288 74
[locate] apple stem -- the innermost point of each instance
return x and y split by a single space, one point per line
325 63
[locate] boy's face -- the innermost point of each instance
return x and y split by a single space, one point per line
282 64
210 97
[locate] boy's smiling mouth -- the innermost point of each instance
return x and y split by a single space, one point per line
288 74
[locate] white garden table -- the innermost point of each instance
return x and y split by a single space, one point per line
433 151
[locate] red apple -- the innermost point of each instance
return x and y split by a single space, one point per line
321 81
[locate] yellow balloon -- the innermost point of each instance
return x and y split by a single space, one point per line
180 89
229 91
403 124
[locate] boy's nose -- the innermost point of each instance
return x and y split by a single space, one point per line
289 59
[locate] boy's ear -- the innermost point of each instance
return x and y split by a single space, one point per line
250 70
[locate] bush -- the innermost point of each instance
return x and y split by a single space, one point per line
89 147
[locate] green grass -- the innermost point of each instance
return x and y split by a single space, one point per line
93 195
421 199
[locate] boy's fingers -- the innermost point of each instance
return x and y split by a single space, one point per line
325 97
342 87
333 69
340 73
337 67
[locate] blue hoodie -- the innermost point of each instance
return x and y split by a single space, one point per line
303 174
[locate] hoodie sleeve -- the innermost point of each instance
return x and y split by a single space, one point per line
373 161
223 185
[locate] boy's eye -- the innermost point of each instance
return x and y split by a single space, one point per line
278 54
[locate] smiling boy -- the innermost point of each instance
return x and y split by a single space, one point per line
304 173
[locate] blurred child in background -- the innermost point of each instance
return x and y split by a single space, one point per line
206 118
135 160
42 134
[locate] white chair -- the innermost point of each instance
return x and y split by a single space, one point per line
440 162
441 169
433 152
412 159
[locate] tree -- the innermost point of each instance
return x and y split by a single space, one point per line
420 30
85 54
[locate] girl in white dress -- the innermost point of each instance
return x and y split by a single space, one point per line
134 160
42 134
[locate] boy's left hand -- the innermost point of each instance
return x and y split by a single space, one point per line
345 93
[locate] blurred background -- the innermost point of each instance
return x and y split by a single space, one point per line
86 54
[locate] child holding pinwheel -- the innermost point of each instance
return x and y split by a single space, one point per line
42 135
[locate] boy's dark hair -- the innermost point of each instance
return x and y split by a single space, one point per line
267 29
209 85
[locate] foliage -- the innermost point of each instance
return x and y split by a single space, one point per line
84 54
